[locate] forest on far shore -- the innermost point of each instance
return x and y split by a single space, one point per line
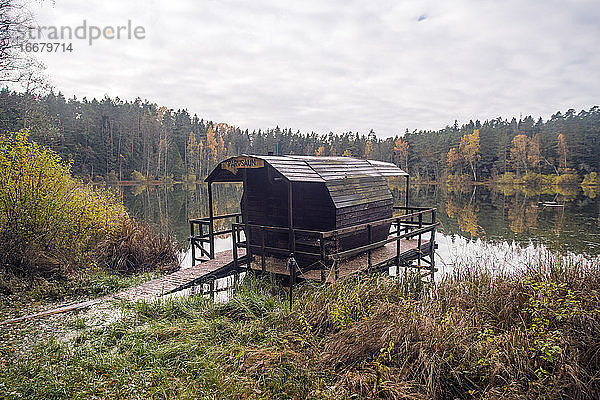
112 139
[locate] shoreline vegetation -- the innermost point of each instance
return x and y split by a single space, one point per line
478 333
61 238
531 184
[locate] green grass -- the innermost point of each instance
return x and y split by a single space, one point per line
23 296
477 334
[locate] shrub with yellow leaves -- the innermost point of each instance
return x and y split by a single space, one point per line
49 221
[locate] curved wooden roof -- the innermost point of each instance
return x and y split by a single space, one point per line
310 168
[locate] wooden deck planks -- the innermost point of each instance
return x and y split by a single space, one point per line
179 279
350 266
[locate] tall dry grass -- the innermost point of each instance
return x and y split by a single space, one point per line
531 333
137 247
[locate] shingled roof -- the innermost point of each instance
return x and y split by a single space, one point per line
313 169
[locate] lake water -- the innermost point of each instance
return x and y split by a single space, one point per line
474 219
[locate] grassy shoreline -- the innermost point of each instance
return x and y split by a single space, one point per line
477 334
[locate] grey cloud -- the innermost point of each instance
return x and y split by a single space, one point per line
339 65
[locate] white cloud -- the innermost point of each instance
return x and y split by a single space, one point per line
338 65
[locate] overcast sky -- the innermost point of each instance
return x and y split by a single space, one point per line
337 65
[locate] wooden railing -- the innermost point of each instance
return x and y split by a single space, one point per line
407 226
414 222
202 232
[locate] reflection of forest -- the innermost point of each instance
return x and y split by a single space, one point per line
170 206
516 215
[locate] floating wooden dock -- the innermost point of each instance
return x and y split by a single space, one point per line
222 265
316 218
311 218
382 259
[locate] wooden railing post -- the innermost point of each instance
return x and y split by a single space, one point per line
322 251
292 235
235 242
211 222
398 247
192 243
419 241
262 250
370 252
292 268
432 243
336 269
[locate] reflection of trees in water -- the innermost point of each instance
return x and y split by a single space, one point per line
170 206
568 193
464 211
563 193
515 214
522 214
479 212
153 203
226 200
466 217
462 189
559 222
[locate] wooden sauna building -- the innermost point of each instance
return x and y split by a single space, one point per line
318 210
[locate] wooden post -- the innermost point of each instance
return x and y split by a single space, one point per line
419 241
397 247
407 191
432 243
192 244
234 239
335 262
292 266
262 249
292 240
322 248
369 252
292 236
211 218
407 199
245 218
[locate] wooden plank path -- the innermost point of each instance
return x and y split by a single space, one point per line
181 279
170 283
62 309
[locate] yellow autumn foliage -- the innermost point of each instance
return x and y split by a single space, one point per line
48 219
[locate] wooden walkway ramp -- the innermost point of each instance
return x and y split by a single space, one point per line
220 266
184 278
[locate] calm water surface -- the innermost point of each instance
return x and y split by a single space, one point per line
474 219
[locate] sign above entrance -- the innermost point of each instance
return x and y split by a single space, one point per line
233 164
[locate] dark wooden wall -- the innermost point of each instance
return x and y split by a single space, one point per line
319 206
